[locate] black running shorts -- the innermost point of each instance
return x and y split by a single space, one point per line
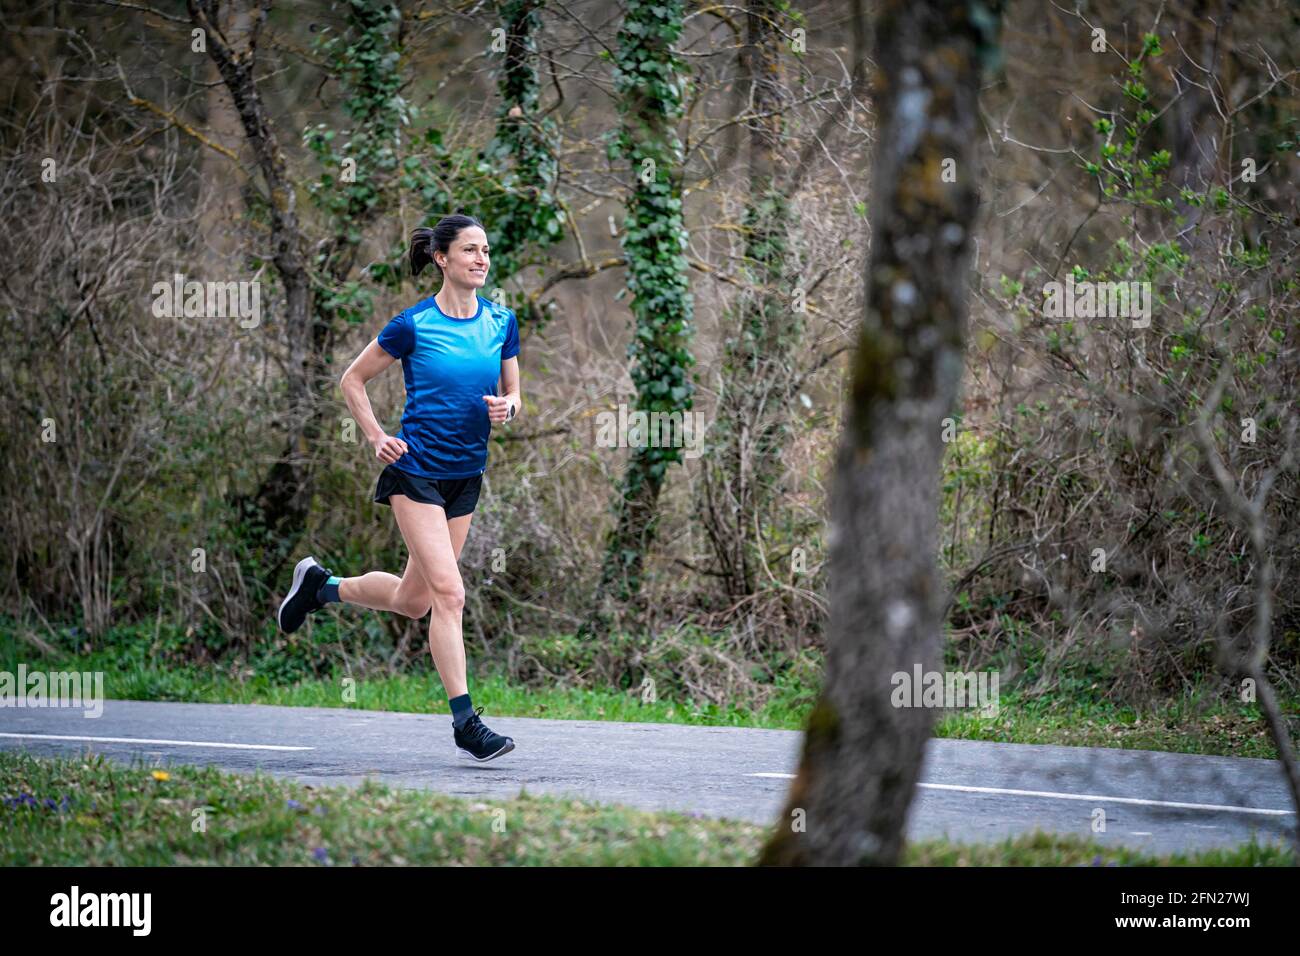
456 496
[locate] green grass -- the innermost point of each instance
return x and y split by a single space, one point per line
410 693
1197 725
94 812
1078 716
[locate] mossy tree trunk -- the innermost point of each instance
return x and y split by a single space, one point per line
275 513
760 375
743 453
862 755
648 78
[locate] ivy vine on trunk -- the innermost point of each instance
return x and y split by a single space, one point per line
648 80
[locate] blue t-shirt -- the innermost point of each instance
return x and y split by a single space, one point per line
449 365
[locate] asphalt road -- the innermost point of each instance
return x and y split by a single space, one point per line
972 791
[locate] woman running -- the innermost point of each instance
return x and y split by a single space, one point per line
454 347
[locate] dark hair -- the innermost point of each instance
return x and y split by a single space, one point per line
425 240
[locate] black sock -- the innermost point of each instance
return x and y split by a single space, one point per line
329 591
461 709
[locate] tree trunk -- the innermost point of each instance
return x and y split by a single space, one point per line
276 513
741 465
759 375
1199 130
862 755
220 199
661 303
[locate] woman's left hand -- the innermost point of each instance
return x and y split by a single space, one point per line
498 408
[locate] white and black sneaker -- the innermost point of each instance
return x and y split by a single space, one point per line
308 576
475 742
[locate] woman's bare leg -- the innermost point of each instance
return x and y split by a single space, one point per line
380 591
409 594
425 529
459 530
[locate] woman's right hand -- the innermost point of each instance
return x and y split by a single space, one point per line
388 449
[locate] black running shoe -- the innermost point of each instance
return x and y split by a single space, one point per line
475 742
308 576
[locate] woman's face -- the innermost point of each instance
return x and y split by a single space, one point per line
467 259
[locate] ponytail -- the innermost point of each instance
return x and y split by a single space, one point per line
421 250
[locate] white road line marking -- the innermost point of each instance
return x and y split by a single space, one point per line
149 740
1077 796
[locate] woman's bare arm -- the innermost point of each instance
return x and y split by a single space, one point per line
510 384
498 406
372 360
